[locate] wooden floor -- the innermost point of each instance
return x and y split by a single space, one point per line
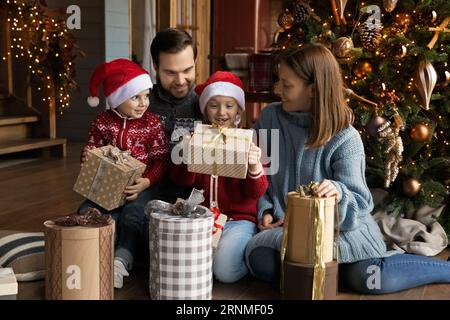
35 191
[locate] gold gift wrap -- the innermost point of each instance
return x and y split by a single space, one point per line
102 179
79 262
308 238
301 237
220 151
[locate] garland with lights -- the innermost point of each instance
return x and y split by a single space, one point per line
394 58
40 38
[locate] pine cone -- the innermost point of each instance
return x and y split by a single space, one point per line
370 34
301 11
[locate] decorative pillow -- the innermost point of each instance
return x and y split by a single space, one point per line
24 252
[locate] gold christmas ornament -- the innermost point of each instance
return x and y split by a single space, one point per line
286 20
342 47
441 28
425 80
389 5
399 51
420 133
362 68
411 187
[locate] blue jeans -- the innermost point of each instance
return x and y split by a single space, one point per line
131 225
372 276
229 259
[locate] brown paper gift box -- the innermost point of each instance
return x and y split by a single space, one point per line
102 181
300 240
209 154
301 277
79 262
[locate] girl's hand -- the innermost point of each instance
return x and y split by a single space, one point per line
254 159
267 220
134 190
327 189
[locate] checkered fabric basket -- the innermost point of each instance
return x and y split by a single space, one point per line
260 72
180 257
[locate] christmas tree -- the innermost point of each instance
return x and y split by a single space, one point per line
394 58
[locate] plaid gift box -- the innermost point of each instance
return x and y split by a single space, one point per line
181 256
103 178
260 72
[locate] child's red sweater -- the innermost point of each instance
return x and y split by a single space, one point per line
145 138
237 198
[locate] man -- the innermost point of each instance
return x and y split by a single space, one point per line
174 54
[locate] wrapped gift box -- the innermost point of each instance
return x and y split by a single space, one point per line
219 151
301 212
181 256
79 262
299 281
105 174
219 223
8 284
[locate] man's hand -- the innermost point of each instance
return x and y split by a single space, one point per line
134 190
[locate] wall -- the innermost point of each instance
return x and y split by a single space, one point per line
117 33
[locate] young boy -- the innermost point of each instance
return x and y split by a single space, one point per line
128 125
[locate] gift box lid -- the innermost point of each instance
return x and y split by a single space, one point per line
245 135
301 201
169 223
8 282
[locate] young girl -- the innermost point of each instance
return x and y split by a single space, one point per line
319 144
129 126
221 100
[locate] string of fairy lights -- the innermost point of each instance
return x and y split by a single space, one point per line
43 44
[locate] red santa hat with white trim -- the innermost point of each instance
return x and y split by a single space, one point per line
122 79
221 83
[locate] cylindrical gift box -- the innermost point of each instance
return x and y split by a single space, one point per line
181 256
79 262
301 237
299 281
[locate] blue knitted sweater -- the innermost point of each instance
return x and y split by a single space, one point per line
341 160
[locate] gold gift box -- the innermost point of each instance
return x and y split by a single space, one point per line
220 151
103 179
301 238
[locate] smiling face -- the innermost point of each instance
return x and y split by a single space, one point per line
135 107
176 72
296 94
222 110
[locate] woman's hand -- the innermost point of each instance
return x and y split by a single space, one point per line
327 189
134 190
266 222
254 159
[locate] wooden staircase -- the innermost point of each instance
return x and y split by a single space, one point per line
26 121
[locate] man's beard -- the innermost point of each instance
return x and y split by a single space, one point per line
190 85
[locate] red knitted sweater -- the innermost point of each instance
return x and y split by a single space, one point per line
145 138
237 198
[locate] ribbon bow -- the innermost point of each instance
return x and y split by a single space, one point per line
116 155
219 135
185 208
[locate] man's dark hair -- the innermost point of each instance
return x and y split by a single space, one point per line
171 40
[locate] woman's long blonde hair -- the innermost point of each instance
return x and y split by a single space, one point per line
316 65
